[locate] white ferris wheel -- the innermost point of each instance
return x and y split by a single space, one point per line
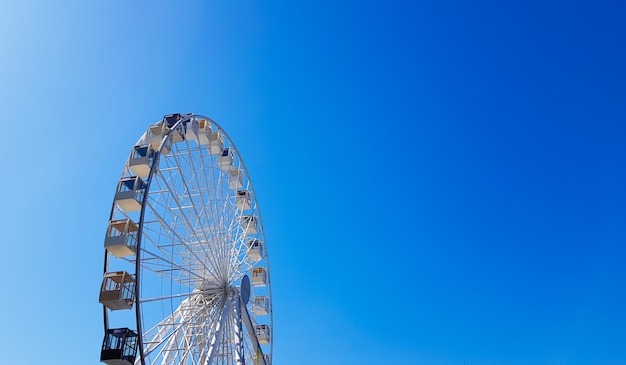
186 273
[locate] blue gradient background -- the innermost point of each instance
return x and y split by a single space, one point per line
441 182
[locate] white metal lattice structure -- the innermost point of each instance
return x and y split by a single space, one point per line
186 222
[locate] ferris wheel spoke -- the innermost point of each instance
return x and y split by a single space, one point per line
155 262
218 214
164 225
219 269
181 295
167 196
193 188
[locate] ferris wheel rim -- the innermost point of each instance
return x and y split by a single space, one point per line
139 270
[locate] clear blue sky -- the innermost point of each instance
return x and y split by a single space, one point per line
441 182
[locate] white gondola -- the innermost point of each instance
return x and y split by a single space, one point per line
169 121
121 238
204 132
261 305
250 225
263 334
192 129
178 134
141 160
235 179
216 143
255 250
118 290
119 347
243 200
226 159
268 359
130 193
155 135
259 277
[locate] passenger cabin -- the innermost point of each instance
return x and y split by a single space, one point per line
263 334
169 121
119 347
259 277
249 224
130 193
243 200
156 134
178 134
226 159
141 160
261 305
235 179
192 129
121 238
204 132
118 290
216 143
268 360
255 250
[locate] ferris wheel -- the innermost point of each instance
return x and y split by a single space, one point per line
186 272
